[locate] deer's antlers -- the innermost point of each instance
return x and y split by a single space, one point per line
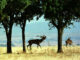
41 36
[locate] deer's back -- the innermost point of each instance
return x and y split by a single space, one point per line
69 41
35 41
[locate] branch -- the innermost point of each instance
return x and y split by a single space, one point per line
65 23
54 24
4 25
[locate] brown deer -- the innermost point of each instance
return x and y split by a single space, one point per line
36 41
68 42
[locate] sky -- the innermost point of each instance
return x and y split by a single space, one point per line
40 27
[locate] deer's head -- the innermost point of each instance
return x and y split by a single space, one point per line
43 37
69 38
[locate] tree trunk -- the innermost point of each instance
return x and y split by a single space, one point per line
8 35
60 33
23 36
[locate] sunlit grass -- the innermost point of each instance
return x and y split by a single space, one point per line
43 53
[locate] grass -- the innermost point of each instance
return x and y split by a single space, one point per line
44 53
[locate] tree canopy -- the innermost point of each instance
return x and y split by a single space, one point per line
59 11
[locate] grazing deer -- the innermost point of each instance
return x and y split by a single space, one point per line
68 42
36 41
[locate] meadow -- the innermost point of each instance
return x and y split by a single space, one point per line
43 53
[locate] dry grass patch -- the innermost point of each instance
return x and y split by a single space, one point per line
44 53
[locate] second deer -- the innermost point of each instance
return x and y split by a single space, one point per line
36 41
68 42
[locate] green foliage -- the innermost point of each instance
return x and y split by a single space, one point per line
60 13
13 7
2 4
29 12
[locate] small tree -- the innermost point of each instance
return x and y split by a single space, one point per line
60 15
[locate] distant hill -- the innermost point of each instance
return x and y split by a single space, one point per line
78 44
4 45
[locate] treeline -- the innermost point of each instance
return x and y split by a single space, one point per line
60 14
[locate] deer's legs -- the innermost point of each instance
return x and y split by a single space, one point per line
38 46
27 45
70 44
66 44
30 47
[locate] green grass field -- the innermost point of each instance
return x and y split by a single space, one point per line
44 53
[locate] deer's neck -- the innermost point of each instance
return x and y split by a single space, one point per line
41 40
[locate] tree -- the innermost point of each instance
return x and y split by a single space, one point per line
12 8
28 13
60 14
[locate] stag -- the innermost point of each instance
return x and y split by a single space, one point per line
68 42
36 41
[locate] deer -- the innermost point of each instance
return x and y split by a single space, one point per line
36 41
68 42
